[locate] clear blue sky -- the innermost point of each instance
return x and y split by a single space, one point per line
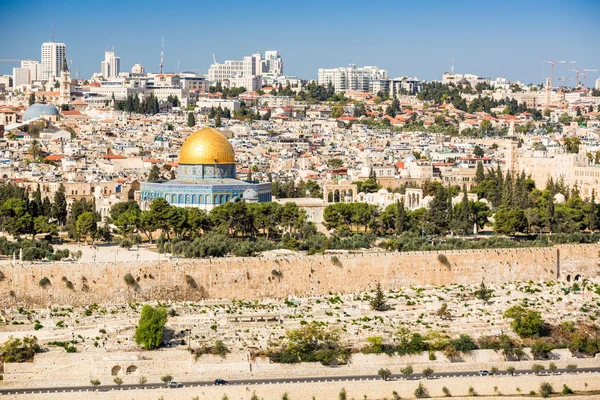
419 37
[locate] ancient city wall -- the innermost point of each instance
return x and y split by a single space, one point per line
281 276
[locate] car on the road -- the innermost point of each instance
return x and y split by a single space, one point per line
484 372
221 382
174 384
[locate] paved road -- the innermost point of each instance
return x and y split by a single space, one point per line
267 381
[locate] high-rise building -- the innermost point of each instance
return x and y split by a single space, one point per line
35 69
53 55
111 66
272 64
350 78
20 77
246 72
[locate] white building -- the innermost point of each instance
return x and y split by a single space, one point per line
35 69
20 77
350 78
597 86
248 71
53 55
272 64
138 69
450 77
111 66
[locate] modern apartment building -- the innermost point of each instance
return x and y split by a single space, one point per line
111 66
350 78
53 55
246 72
20 77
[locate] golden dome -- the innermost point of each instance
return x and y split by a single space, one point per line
206 146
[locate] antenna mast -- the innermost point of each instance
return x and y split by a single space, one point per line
162 54
177 61
452 67
52 31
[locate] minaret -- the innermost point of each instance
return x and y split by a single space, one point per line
548 90
65 84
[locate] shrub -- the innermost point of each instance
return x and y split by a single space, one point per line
142 380
37 326
571 368
546 389
444 260
129 280
540 350
472 392
45 282
1 276
464 343
336 261
552 367
526 323
493 370
94 382
20 350
421 391
446 392
220 349
510 370
342 396
567 390
118 381
166 378
191 282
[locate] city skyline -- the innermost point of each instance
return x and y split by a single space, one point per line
481 39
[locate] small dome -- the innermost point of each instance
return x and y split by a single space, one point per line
559 198
206 146
37 110
250 195
409 159
382 191
484 201
463 81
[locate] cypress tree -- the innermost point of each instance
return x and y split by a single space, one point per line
479 173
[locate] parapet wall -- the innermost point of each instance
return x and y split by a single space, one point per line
281 276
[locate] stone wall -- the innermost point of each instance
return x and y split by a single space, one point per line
281 276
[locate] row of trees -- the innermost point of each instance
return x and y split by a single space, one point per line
149 105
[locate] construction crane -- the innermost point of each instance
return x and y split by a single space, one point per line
553 62
9 60
585 71
562 79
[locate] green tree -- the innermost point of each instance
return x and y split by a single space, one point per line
379 302
86 225
485 126
154 174
407 371
526 323
191 119
59 205
427 372
337 110
478 152
149 332
384 373
16 350
32 98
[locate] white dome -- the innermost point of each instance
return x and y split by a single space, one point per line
382 191
409 159
484 201
559 198
250 195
